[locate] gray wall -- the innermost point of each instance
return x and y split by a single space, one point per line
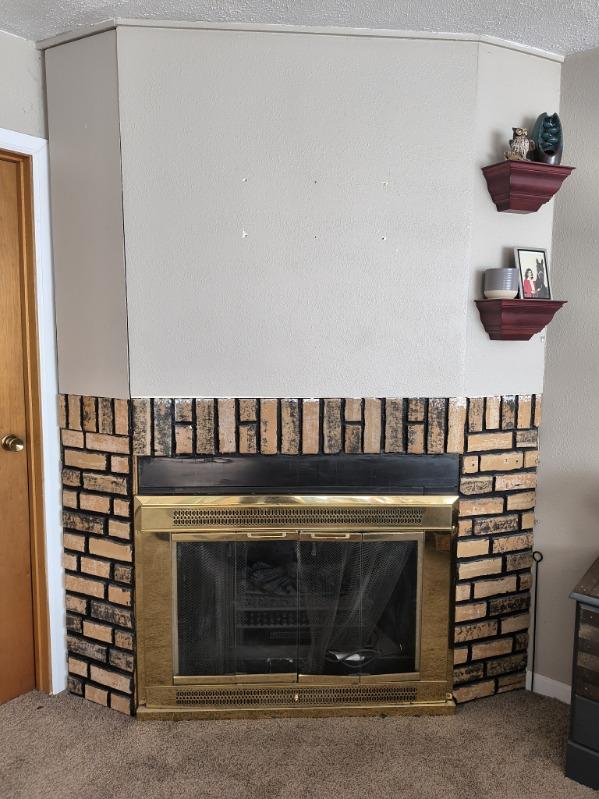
568 499
87 218
21 86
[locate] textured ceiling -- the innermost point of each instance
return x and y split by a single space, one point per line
555 25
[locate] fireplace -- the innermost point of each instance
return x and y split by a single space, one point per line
307 603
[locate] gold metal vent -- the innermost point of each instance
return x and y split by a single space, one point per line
293 697
289 516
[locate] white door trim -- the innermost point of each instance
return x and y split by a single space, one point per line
38 150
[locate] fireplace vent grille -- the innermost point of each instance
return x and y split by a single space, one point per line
321 696
241 517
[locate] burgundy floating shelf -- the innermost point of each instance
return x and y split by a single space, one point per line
516 320
522 187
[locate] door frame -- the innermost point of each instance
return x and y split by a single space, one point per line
39 347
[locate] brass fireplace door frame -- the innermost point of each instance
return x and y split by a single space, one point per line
161 522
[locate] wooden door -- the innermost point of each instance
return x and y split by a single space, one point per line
17 633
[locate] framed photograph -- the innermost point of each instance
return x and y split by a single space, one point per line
533 271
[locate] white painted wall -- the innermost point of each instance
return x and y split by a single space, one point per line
87 218
305 214
21 86
567 530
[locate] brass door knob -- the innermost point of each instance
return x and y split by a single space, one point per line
13 443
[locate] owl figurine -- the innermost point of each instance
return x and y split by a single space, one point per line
520 145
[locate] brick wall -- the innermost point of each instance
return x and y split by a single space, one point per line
495 436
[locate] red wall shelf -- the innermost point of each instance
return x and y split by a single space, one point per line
516 320
522 187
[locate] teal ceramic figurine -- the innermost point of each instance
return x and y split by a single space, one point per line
548 138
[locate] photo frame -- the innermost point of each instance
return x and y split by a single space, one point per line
532 264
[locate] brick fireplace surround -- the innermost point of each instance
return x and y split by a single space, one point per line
496 437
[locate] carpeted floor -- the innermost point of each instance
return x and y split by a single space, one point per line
509 746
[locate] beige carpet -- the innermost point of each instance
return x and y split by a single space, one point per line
509 746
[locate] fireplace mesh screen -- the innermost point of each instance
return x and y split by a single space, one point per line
252 516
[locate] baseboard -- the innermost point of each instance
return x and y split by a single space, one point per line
548 687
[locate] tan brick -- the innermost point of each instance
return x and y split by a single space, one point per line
119 464
506 664
121 417
97 695
531 459
94 502
491 649
475 414
372 425
352 438
479 442
73 541
462 592
71 477
119 529
119 682
120 596
75 604
121 507
478 568
512 543
248 410
522 501
123 640
455 424
71 438
123 573
353 410
183 439
107 443
517 561
416 438
248 441
508 412
85 460
205 437
476 485
527 438
538 409
515 480
470 549
82 522
69 561
89 414
268 426
62 410
475 630
82 585
310 426
163 426
460 655
468 673
74 408
417 409
331 426
527 520
501 462
524 410
525 581
510 682
78 667
492 417
477 690
509 604
470 464
394 423
436 425
290 426
481 506
100 632
470 610
226 426
105 418
70 499
513 624
141 424
465 527
109 484
497 524
110 549
99 568
503 585
120 703
183 410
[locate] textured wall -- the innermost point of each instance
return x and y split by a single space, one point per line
568 527
21 86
